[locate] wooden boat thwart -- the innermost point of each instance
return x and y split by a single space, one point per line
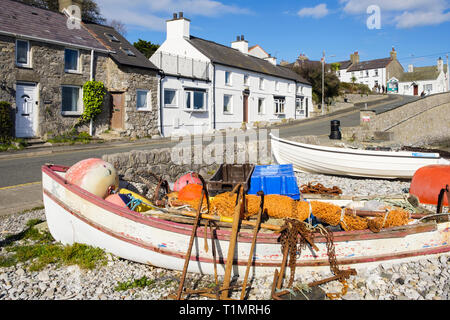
351 162
77 216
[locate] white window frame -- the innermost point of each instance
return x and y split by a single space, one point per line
376 72
277 85
261 83
78 70
282 104
230 81
176 99
28 64
191 92
149 100
80 105
428 87
263 106
230 111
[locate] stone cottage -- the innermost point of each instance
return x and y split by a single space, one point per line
45 62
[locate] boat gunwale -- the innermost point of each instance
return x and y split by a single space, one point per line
341 236
372 153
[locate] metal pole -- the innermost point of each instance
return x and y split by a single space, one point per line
323 82
448 77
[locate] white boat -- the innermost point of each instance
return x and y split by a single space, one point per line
351 162
77 216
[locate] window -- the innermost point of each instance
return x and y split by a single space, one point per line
406 87
112 37
261 83
129 52
367 73
23 53
227 103
143 100
228 78
428 87
261 106
376 72
71 100
170 98
299 106
279 105
71 59
277 86
195 100
246 80
361 73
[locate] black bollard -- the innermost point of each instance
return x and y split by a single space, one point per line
335 130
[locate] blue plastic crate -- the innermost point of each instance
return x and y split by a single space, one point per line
275 179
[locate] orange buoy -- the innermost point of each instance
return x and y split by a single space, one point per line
190 192
428 181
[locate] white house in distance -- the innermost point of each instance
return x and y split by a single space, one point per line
430 80
371 72
206 85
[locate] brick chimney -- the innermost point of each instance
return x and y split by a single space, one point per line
354 58
178 27
271 59
240 44
65 4
393 54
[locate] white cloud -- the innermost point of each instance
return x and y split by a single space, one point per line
317 12
152 14
403 13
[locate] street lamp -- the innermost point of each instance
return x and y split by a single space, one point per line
323 80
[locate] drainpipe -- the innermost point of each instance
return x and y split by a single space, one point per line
162 75
91 78
214 96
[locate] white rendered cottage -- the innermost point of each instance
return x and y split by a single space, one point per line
206 85
429 80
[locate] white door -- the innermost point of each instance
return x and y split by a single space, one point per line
26 110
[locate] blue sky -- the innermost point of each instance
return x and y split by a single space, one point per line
418 29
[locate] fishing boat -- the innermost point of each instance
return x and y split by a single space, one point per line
75 215
352 162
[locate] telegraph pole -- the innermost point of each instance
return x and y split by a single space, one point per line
323 82
448 75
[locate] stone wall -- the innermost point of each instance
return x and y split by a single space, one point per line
418 123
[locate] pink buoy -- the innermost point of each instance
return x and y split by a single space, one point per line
189 178
94 175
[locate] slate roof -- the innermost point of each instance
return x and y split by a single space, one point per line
344 64
28 21
370 64
227 56
421 73
102 33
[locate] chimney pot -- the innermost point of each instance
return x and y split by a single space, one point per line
175 16
242 38
238 38
180 15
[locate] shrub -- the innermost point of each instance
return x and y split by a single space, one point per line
6 124
93 94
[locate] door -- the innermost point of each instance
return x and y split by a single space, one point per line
118 107
245 108
416 90
26 110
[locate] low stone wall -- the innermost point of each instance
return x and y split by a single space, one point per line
421 122
172 163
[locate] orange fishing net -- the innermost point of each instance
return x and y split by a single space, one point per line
282 207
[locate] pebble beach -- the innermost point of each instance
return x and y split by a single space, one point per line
427 278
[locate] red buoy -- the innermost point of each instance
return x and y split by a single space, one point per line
428 182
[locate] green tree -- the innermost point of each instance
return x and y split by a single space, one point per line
90 10
313 73
146 47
